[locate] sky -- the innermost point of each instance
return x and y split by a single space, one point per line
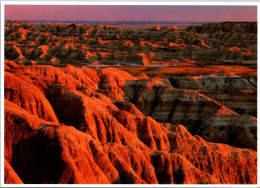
130 13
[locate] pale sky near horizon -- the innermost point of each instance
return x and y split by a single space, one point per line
130 13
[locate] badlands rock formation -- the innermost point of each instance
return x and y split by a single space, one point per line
45 43
89 125
101 104
224 27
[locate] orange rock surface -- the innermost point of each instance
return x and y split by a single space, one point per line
81 125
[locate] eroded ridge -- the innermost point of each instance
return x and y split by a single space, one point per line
89 126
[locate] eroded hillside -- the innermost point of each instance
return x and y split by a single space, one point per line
45 43
152 108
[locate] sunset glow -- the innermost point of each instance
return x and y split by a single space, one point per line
130 13
130 94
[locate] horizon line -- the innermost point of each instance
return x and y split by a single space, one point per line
125 21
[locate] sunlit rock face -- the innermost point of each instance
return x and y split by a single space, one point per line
34 43
104 138
148 112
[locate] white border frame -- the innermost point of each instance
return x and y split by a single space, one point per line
3 3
